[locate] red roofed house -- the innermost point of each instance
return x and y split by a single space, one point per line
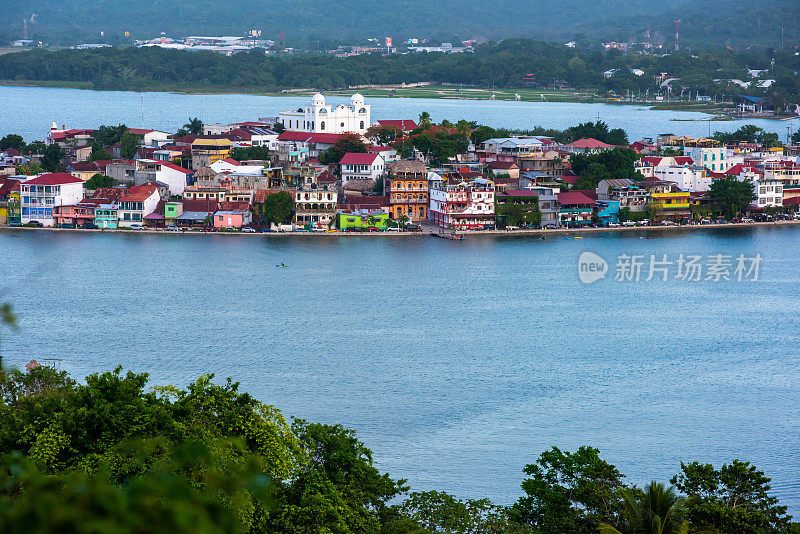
500 168
9 200
149 137
587 146
290 143
140 201
404 125
363 166
576 208
40 195
63 135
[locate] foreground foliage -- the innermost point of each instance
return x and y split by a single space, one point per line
114 455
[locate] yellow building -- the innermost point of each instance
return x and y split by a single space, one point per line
674 204
208 151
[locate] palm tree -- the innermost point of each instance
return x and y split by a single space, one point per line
656 510
425 121
194 126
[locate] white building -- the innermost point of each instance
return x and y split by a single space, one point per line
464 205
713 158
151 170
687 177
324 118
38 196
315 206
140 201
769 193
364 166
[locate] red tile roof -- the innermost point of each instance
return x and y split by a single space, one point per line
84 166
111 194
139 131
573 198
589 143
54 178
684 160
591 193
739 169
7 185
139 193
502 165
363 201
405 125
231 161
204 205
358 158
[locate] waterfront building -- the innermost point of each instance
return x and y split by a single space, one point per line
106 216
40 195
575 208
232 218
769 193
674 203
76 215
686 177
607 211
315 206
319 117
625 191
141 200
526 199
408 190
462 204
9 200
787 172
363 166
362 218
548 204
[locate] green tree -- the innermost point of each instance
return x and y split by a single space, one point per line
425 121
97 181
193 127
7 318
339 490
52 157
259 153
383 135
733 195
37 147
569 492
440 512
105 137
128 145
481 134
734 499
655 510
29 169
100 154
346 143
278 208
13 141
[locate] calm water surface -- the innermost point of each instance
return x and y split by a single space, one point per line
29 111
457 362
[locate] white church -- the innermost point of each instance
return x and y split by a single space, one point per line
322 118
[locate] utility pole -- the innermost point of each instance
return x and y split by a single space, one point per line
677 41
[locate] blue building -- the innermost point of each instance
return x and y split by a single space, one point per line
608 211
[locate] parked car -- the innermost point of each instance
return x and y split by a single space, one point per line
512 227
35 224
15 223
613 225
66 226
265 230
721 221
89 226
668 223
136 226
412 227
747 220
705 221
208 229
392 228
172 229
248 230
629 223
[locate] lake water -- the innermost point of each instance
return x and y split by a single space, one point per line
29 111
457 362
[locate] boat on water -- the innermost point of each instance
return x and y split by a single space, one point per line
452 236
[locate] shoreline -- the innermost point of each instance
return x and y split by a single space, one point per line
435 92
425 233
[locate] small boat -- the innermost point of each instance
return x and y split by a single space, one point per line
281 265
451 236
578 237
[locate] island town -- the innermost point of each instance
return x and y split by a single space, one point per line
326 168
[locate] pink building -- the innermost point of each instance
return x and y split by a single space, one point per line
77 215
232 219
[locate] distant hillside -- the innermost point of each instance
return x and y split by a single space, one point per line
312 22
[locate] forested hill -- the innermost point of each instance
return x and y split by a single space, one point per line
321 22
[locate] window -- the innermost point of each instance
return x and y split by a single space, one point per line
322 125
361 125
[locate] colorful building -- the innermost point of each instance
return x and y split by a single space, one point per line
106 216
463 205
362 219
232 219
77 215
40 195
408 190
575 208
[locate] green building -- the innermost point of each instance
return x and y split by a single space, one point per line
362 219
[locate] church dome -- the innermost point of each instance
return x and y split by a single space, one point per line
318 100
357 99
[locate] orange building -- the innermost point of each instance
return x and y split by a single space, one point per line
408 190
